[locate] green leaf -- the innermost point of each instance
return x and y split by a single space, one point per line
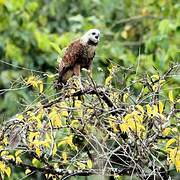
14 5
56 48
14 52
43 41
164 26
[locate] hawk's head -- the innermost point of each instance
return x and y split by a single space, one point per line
91 37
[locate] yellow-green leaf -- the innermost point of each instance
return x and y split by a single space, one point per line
77 103
161 107
81 165
124 127
8 171
125 96
171 98
5 141
149 110
27 171
50 75
2 166
61 143
174 129
89 164
56 121
54 149
131 124
155 110
171 141
75 123
138 118
20 116
124 34
177 164
68 140
166 131
18 152
35 162
108 80
4 153
38 151
64 156
172 154
33 136
113 126
63 104
18 160
64 113
155 77
41 87
128 116
10 157
155 87
33 81
140 108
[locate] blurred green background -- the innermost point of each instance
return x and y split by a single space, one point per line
141 34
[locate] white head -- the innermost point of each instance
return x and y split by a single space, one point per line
91 37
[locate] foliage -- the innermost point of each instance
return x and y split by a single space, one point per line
131 102
141 34
100 129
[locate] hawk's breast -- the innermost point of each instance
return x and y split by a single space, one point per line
91 51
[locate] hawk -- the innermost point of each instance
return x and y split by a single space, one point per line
78 55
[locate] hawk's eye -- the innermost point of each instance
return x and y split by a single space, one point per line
93 33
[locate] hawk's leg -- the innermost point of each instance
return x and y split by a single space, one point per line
76 70
90 71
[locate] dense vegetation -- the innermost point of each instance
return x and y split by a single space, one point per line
126 119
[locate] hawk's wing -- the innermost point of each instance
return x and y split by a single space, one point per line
72 54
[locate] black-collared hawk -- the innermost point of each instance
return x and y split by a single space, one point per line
78 55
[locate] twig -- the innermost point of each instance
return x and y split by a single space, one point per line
135 18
